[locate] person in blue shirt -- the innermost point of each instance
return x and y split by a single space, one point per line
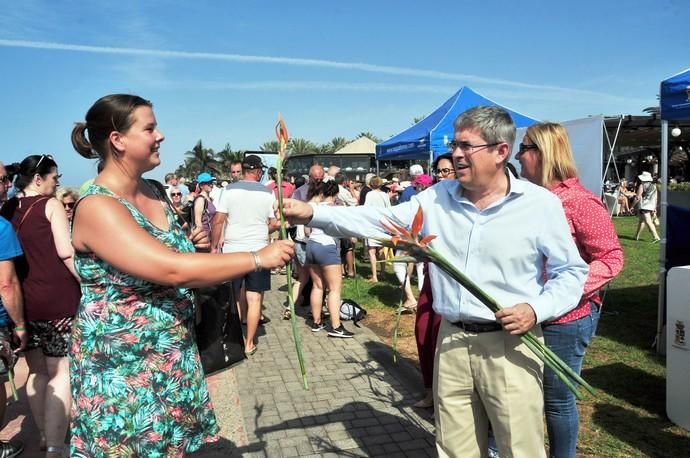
507 235
408 192
11 310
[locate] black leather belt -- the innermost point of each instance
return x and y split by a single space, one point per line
478 327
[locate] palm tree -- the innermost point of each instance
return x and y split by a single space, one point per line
338 143
270 147
226 156
417 119
370 136
300 146
324 148
202 159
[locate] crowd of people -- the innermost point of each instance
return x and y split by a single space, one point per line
109 341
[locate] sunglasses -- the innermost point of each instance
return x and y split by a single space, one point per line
68 204
523 148
5 179
175 194
43 156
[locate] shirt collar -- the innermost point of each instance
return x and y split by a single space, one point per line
517 187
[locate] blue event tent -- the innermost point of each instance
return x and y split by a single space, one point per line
432 133
674 100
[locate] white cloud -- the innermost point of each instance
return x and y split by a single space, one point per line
547 91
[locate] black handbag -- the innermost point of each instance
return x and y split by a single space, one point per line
218 328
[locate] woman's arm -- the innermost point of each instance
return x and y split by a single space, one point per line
105 227
59 226
199 207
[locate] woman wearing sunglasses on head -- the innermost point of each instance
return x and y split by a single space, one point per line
546 159
51 294
133 354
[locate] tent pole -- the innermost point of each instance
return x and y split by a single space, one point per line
377 168
611 146
431 161
661 312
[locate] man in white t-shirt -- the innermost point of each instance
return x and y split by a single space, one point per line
245 209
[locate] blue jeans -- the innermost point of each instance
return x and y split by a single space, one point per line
568 341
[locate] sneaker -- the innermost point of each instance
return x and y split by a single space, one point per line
316 327
340 331
10 449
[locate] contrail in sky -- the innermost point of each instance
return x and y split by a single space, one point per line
243 58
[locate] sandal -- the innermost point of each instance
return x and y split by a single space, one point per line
286 314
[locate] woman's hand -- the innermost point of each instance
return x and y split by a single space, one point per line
199 238
277 254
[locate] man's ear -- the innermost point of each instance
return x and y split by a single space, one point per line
504 150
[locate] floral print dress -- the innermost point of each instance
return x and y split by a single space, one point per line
138 388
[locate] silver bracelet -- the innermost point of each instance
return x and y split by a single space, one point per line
257 261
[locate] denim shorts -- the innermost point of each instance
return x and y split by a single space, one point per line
301 253
322 255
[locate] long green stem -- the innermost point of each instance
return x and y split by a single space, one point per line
291 299
562 370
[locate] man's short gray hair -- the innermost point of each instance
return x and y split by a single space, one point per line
493 123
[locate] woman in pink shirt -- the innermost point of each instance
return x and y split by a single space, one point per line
546 159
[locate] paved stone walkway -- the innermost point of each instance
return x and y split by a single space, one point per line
358 403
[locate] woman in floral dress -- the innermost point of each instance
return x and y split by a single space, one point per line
137 384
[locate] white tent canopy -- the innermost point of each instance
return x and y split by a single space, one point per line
586 140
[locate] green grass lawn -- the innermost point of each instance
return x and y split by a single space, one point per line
627 417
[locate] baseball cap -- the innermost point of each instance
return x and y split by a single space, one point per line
252 162
415 170
204 177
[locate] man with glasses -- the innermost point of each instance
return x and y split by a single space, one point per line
11 307
508 236
5 184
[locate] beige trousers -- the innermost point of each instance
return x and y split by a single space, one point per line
487 377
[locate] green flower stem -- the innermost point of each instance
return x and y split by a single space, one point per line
291 299
13 387
562 370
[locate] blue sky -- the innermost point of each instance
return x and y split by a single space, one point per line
222 71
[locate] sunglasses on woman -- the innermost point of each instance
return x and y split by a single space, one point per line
175 194
68 204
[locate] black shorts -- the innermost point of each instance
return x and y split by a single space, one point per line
345 246
51 336
256 282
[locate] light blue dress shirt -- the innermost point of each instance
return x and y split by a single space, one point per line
509 249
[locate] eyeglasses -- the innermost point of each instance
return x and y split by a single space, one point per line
43 156
5 179
466 147
523 148
68 204
175 194
444 171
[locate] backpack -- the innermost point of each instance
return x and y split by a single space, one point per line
351 310
188 210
